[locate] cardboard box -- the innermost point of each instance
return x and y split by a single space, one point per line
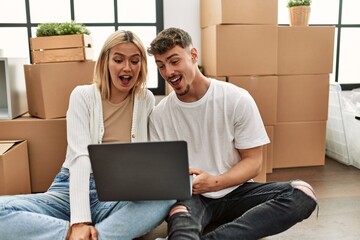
261 177
220 78
303 98
299 144
305 50
264 90
270 149
13 101
14 168
261 12
236 50
46 146
64 48
49 86
267 156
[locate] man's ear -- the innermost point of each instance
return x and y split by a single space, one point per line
194 54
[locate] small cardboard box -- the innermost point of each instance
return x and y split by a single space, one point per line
46 140
305 50
252 12
236 50
64 48
13 101
264 90
299 144
49 86
303 98
14 168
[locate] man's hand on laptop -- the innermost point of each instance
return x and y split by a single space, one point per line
203 182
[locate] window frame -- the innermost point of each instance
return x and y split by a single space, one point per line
159 24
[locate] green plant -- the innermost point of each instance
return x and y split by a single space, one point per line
294 3
65 28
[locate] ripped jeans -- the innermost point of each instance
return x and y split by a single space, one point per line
45 216
252 211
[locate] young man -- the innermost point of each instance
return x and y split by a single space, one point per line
225 136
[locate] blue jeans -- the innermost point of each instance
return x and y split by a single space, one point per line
45 216
252 211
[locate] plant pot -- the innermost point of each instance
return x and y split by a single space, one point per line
299 15
63 48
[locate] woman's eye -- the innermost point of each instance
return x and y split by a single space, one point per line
118 60
135 62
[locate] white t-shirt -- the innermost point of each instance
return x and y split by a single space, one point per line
225 119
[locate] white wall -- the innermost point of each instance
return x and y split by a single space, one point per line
184 14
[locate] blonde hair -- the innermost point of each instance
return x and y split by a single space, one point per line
102 77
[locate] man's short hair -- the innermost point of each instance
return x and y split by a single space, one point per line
167 39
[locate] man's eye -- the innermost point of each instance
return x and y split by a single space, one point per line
174 62
161 67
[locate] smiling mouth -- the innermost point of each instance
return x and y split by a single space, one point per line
176 80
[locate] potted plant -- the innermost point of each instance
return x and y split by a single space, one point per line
66 28
299 12
61 42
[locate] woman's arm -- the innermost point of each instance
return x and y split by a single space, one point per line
79 137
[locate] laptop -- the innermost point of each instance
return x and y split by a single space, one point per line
141 170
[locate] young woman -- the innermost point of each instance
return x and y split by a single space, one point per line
115 107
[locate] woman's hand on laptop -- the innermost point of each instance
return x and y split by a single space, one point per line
83 231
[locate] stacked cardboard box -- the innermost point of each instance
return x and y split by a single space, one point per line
46 140
239 43
305 60
14 162
285 69
48 88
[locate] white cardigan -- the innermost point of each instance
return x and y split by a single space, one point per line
85 126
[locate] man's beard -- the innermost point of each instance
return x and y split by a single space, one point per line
187 89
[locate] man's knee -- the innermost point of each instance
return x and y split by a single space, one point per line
304 187
178 209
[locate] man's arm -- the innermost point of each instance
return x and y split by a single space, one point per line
248 168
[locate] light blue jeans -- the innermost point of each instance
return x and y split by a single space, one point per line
45 216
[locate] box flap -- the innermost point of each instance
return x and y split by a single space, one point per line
6 145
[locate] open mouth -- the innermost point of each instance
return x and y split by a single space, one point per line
125 79
176 80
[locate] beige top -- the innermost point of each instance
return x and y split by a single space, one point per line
117 120
85 125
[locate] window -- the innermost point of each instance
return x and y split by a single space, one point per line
343 14
101 18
